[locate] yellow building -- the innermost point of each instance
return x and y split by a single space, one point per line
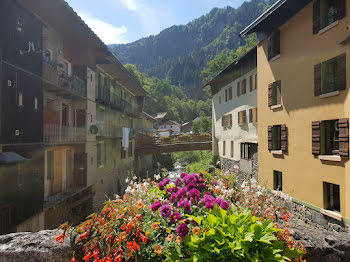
303 63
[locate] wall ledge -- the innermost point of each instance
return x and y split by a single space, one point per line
332 214
277 152
276 106
334 93
322 31
275 58
333 158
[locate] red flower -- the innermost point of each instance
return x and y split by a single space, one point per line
60 238
87 257
143 238
139 216
73 259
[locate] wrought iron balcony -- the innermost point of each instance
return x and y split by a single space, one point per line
56 133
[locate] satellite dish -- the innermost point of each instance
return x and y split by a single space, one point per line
93 129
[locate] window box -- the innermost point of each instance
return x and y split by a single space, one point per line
274 94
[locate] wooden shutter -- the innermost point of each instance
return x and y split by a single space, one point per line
270 94
230 120
255 115
230 93
343 137
251 83
244 86
223 121
317 79
284 138
226 95
341 8
316 137
239 118
278 91
238 88
316 17
269 139
244 117
341 72
250 115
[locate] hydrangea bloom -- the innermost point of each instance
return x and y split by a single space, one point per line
182 230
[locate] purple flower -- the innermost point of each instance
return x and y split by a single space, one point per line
161 186
194 193
166 181
182 230
156 206
193 178
165 211
209 205
187 206
209 198
224 205
181 202
182 175
191 185
194 223
178 182
176 216
201 181
201 175
172 198
207 193
201 186
219 200
182 192
215 183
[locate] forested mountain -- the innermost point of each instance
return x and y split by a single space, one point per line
180 53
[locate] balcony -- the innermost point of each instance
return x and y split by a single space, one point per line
61 82
56 133
128 108
108 130
115 102
103 95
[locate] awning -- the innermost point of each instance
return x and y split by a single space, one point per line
11 158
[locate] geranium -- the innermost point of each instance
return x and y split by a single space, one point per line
165 211
182 230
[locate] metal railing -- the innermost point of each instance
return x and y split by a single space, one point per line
59 133
108 130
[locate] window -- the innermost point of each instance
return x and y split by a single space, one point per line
242 117
331 196
226 120
277 180
274 93
232 148
226 95
331 137
256 81
243 87
19 25
277 137
122 152
48 55
130 149
219 99
253 115
248 150
223 148
326 12
50 165
20 99
251 83
238 88
101 154
230 93
330 75
36 103
274 45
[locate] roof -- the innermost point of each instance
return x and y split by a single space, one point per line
187 123
237 68
279 13
160 115
148 116
11 158
171 122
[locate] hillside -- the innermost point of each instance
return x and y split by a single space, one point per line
179 53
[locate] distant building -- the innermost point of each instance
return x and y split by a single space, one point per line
171 125
234 118
160 119
186 127
164 132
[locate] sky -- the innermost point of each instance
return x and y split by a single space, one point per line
124 21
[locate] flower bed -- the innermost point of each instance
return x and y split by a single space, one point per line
192 219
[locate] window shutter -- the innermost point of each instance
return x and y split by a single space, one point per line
341 72
317 79
341 8
238 88
284 138
316 137
270 94
250 115
269 48
269 133
316 17
244 117
276 45
230 119
343 137
251 83
239 118
255 118
226 95
230 93
278 88
222 121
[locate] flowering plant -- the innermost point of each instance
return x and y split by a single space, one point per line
167 221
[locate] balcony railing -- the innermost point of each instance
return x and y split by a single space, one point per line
59 78
56 133
128 108
109 130
103 95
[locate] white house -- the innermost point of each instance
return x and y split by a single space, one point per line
171 125
234 103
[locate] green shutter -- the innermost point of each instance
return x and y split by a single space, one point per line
341 72
316 17
341 8
317 79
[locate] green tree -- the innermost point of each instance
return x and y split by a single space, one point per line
205 124
196 127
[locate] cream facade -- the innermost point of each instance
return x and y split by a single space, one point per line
311 91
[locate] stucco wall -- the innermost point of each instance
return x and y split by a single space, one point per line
175 128
236 133
303 174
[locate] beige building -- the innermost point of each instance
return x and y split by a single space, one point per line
303 76
234 121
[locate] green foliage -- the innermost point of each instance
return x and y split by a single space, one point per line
195 161
236 235
205 124
179 53
196 126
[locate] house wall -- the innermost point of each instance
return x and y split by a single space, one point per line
237 133
175 128
300 51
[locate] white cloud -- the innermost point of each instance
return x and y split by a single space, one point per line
108 33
